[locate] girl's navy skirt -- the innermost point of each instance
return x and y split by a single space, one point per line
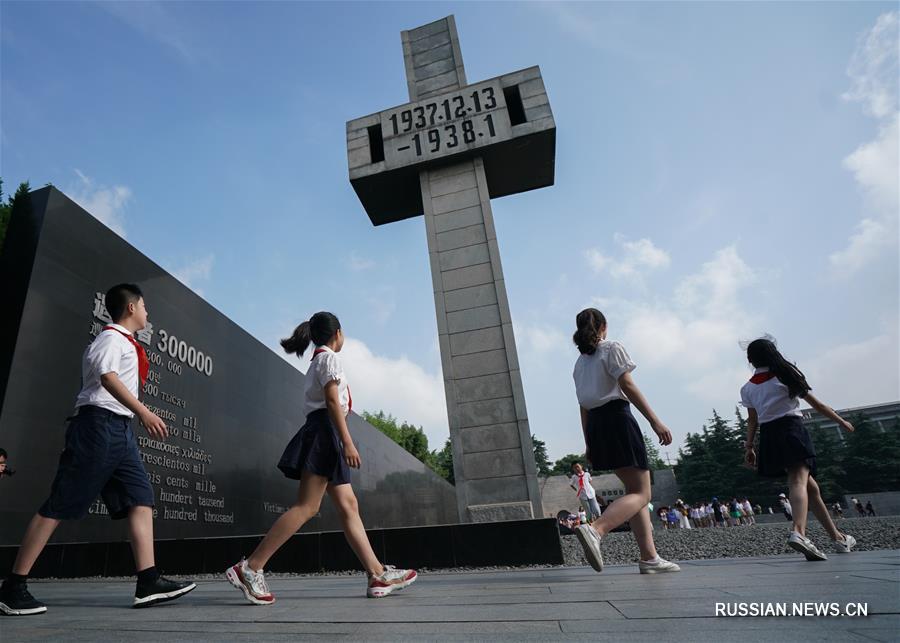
316 448
784 442
614 437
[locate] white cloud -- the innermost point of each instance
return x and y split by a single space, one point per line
874 68
596 260
870 236
107 204
696 333
195 271
540 338
875 165
397 386
635 257
857 374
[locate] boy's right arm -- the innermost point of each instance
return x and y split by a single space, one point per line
827 411
153 423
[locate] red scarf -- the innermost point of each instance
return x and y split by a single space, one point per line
349 396
759 378
581 483
143 360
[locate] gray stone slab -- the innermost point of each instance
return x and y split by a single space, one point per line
491 490
437 84
458 219
470 298
476 341
555 604
476 364
435 68
490 464
531 88
485 413
455 201
430 42
460 237
490 437
467 276
432 55
432 28
485 387
677 630
473 318
538 112
453 183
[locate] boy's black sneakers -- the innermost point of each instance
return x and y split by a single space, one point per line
159 590
16 600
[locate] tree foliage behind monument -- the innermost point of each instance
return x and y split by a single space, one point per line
413 439
6 207
865 461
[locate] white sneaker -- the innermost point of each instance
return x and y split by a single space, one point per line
805 546
844 546
590 542
659 566
252 583
390 580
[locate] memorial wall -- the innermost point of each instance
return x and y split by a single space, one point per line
231 404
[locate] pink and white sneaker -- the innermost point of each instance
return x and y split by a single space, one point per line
252 583
390 580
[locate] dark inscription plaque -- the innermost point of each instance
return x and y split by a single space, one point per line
230 403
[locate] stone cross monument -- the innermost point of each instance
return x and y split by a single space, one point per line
445 154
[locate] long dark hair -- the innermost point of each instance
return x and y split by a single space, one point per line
589 323
763 353
320 328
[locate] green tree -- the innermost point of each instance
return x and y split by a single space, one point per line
563 466
443 462
653 458
872 457
541 461
22 197
413 439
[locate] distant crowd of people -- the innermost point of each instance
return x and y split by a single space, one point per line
704 515
681 515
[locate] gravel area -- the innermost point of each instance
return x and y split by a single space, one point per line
737 542
675 544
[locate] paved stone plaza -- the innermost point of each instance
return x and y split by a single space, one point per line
511 605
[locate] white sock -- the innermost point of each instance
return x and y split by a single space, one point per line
653 560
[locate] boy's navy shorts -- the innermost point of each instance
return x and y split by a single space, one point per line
101 458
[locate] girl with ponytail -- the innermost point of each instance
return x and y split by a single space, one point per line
613 439
320 456
772 399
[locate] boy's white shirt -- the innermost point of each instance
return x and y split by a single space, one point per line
589 491
110 352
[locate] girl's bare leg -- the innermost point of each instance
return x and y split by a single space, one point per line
348 510
309 498
633 508
798 477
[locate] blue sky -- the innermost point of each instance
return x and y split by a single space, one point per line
722 170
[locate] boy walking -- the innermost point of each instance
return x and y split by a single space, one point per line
101 457
581 483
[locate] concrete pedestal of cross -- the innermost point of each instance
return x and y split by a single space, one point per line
444 155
